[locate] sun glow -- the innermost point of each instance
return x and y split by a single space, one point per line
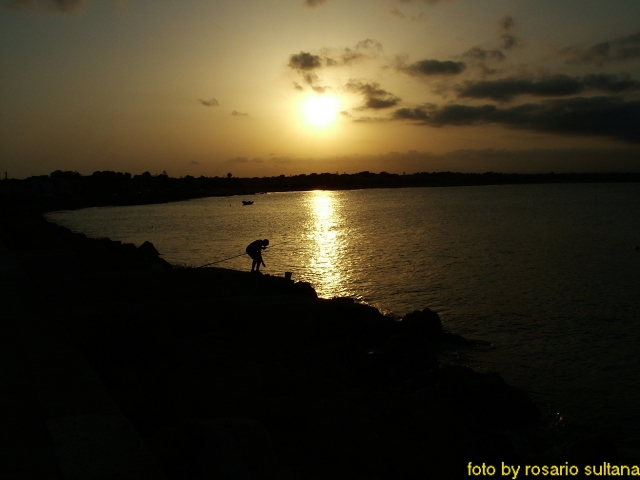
321 111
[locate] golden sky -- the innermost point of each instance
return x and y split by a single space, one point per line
269 87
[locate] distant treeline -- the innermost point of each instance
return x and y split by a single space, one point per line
66 189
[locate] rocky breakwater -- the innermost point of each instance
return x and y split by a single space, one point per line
226 374
291 386
242 376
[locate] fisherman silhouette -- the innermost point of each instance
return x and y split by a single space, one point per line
254 250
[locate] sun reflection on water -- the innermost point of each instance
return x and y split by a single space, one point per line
327 244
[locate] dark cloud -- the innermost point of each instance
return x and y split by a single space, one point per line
447 115
58 6
480 54
611 83
369 44
363 50
602 116
484 70
428 68
304 61
617 50
309 78
370 120
506 23
414 18
212 102
236 113
411 114
507 39
375 98
506 89
314 3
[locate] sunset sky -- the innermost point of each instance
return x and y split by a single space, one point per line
270 87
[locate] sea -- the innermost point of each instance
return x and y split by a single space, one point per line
548 275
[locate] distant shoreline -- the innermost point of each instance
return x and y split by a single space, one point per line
71 191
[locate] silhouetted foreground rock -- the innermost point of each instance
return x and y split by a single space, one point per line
231 375
216 448
422 325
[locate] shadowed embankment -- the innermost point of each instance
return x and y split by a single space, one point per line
224 374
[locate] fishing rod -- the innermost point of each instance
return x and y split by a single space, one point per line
236 256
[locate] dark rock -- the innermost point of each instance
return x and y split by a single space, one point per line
229 448
128 248
422 325
592 450
343 299
349 434
305 289
234 448
487 396
148 251
396 364
287 413
160 265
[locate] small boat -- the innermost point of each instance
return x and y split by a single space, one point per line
247 202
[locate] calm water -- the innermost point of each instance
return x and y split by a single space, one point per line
547 273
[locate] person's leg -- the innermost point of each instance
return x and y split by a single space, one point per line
258 262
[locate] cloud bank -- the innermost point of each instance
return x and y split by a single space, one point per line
506 89
430 68
602 116
617 50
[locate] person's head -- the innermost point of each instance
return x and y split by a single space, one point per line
265 242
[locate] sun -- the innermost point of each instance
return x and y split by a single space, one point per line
321 110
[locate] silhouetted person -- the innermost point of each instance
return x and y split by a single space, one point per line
254 250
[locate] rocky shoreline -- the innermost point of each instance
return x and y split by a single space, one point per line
224 374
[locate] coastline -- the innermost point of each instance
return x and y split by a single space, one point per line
204 361
71 191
